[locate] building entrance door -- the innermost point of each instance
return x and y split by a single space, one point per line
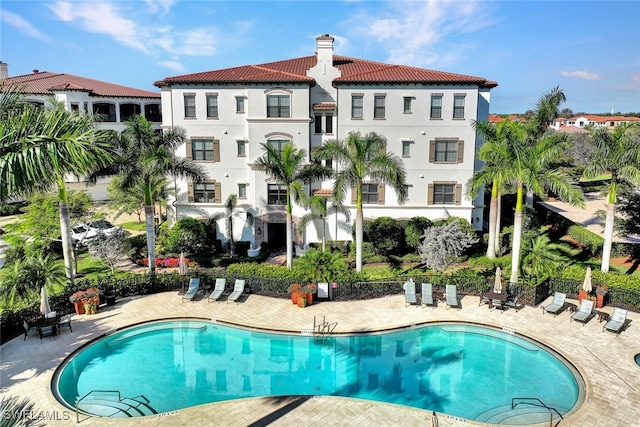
277 235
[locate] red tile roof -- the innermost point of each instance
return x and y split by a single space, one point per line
324 106
353 71
45 83
323 192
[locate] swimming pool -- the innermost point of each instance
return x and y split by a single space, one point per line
464 370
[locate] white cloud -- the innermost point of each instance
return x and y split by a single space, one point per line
118 21
173 65
101 18
424 33
23 26
580 74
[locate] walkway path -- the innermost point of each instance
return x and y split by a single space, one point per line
605 360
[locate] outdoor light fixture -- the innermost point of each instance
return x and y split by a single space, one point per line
259 231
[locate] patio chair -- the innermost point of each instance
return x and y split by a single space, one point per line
65 321
584 313
238 289
484 299
49 330
499 304
218 290
513 303
452 296
427 294
556 305
194 287
28 330
409 292
617 321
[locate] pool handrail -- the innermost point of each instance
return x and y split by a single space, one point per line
551 409
120 400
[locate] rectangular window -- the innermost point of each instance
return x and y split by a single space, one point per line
242 191
277 194
75 107
212 106
356 106
406 148
328 124
444 194
446 152
240 104
204 192
370 193
202 149
458 107
189 105
378 106
277 144
436 106
317 124
407 105
242 152
278 106
328 163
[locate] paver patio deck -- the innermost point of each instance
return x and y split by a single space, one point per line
605 360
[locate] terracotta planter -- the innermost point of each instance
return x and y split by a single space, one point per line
302 301
79 306
582 295
309 299
294 297
599 301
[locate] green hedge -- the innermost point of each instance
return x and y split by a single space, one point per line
611 279
591 242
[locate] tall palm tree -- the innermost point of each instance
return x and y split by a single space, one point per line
229 214
617 153
39 147
287 168
359 158
320 210
494 153
144 157
528 168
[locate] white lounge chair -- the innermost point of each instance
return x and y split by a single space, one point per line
409 292
427 294
194 287
238 289
584 313
452 296
617 320
556 305
218 290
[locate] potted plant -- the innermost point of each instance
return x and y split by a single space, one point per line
77 300
309 290
91 300
301 298
601 292
294 292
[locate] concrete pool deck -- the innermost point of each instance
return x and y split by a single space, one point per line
604 359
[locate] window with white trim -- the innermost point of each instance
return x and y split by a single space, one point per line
458 106
406 148
406 109
446 151
203 149
212 106
436 106
328 123
240 104
278 106
357 106
370 193
379 102
242 148
189 105
277 144
444 194
206 192
242 191
276 194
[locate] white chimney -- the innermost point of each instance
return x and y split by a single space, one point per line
4 70
324 50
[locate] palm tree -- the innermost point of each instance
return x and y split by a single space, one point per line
542 258
359 158
617 153
287 168
527 167
145 157
494 152
23 278
320 210
39 147
229 214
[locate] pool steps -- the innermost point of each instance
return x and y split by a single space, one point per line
110 404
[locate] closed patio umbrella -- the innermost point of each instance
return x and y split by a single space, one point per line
497 286
45 308
586 285
182 268
434 420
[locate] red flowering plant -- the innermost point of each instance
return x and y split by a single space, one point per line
77 296
310 288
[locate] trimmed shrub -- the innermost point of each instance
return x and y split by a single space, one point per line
591 242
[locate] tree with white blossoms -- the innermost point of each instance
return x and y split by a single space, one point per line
110 248
443 244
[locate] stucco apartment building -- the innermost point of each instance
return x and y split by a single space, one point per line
114 103
426 117
583 122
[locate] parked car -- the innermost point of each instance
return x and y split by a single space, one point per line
84 233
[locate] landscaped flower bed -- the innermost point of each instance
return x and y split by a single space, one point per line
168 262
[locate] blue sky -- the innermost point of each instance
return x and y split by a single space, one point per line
590 49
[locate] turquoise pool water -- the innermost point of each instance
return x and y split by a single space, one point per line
457 369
